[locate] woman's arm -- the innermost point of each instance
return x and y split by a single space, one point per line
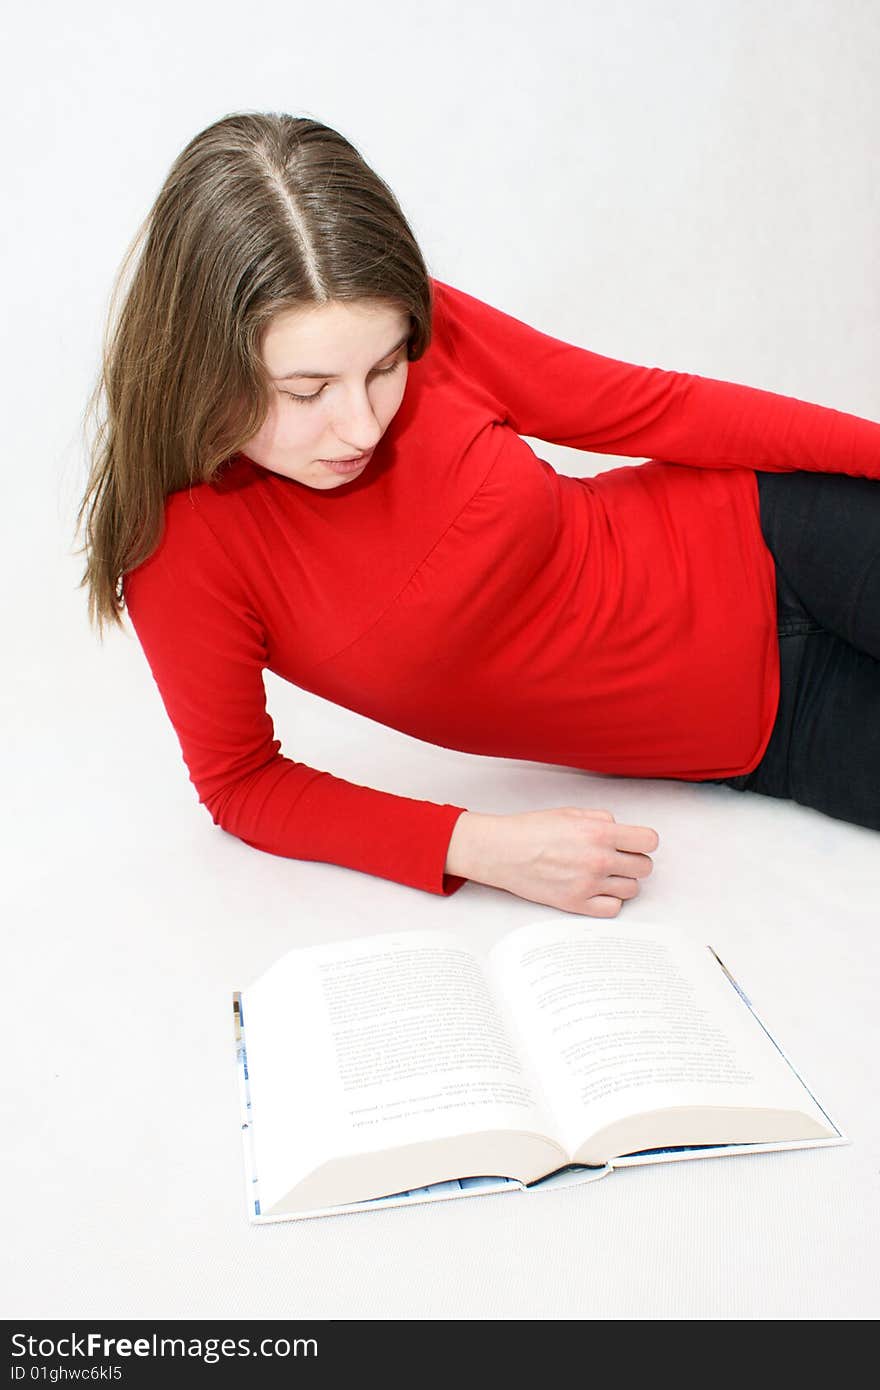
550 389
207 652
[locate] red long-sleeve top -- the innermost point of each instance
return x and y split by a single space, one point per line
462 591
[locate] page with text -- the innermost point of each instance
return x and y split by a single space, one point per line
624 1019
366 1044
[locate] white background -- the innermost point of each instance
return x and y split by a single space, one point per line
691 185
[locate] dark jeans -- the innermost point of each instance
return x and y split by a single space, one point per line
823 530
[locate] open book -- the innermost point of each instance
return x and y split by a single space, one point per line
407 1067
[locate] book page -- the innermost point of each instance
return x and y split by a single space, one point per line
362 1045
620 1020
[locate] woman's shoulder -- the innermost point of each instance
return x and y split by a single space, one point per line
189 541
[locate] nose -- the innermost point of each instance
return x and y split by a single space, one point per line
355 424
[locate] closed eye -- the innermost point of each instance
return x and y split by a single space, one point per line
307 400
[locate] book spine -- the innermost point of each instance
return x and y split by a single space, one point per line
252 1199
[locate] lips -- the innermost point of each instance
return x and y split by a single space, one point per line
347 465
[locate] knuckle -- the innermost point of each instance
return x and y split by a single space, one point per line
596 856
572 899
604 907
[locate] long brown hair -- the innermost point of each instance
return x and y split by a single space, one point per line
261 212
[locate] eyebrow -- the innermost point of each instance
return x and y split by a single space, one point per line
327 376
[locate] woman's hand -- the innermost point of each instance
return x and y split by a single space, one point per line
578 860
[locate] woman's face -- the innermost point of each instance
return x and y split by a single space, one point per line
338 374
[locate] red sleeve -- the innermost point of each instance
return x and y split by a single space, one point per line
550 389
206 649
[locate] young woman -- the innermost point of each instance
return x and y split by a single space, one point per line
311 463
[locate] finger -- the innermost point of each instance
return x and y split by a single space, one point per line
635 837
602 906
603 815
632 865
621 887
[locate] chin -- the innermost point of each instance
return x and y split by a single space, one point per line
330 484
